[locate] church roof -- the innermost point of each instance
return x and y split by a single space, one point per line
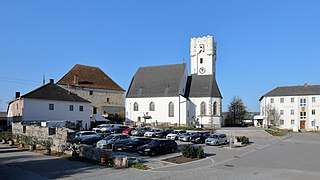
202 86
294 91
89 77
157 81
51 91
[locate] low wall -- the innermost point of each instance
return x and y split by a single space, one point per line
59 137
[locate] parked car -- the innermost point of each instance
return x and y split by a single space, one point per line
83 133
217 139
113 140
158 146
117 129
175 135
140 131
163 133
137 142
151 133
185 137
99 127
91 139
199 137
128 131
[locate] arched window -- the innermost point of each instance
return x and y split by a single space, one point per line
214 108
203 108
171 109
135 107
151 106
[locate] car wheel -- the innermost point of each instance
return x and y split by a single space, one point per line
225 142
152 153
217 143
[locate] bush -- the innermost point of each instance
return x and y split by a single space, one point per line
243 140
47 143
139 166
6 135
192 152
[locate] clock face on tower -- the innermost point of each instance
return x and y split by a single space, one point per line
202 70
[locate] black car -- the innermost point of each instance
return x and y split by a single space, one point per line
163 133
158 146
137 142
91 139
199 137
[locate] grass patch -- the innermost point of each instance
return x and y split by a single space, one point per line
139 166
275 132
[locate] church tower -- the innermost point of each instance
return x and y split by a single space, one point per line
203 56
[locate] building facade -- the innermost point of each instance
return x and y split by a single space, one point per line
291 107
168 95
92 84
50 103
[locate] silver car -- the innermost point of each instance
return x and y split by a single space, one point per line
113 140
216 139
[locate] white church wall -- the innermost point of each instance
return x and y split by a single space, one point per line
206 119
161 113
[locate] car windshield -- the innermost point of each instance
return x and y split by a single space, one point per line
109 137
154 143
214 136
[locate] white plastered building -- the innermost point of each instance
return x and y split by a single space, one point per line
168 95
297 107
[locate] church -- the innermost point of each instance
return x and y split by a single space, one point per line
168 95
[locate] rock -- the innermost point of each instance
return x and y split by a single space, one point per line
93 153
121 162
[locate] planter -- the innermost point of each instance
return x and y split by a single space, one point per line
32 147
3 141
104 160
21 145
75 155
11 143
47 152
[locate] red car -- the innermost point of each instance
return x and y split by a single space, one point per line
128 131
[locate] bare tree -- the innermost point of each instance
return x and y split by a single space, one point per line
272 115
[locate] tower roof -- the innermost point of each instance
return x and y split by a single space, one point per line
202 86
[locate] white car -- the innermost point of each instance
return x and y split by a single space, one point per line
151 133
98 128
175 135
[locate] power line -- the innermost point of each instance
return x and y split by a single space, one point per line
16 79
16 82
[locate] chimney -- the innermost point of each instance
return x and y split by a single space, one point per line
51 80
17 95
75 79
305 85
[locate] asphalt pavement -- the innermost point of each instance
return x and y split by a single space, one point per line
294 156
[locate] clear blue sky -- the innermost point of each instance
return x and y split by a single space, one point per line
261 44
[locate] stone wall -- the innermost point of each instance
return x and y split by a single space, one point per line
59 137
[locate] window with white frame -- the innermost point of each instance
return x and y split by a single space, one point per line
292 111
70 107
281 122
271 100
313 123
135 106
281 112
303 102
80 108
171 109
313 99
203 108
51 107
292 100
151 106
313 112
303 115
281 100
292 121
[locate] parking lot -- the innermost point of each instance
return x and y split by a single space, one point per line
291 157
